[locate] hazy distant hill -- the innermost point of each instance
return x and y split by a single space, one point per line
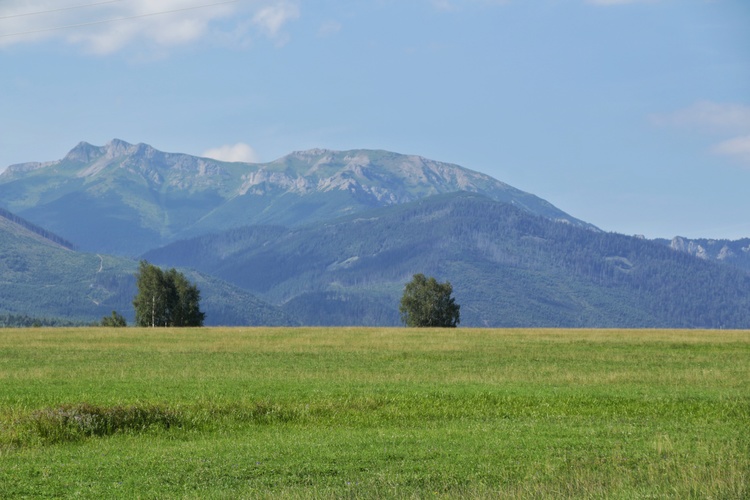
508 268
39 277
125 199
13 223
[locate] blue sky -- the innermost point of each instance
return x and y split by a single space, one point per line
633 115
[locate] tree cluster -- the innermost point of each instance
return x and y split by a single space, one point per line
166 298
427 303
9 320
116 320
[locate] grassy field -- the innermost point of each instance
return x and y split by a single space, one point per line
372 413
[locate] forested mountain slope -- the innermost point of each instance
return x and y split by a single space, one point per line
14 224
508 268
41 278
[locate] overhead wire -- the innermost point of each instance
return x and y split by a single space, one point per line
61 9
112 20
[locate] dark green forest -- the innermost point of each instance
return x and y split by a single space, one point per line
508 268
25 321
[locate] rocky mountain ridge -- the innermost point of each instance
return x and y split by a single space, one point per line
126 198
731 252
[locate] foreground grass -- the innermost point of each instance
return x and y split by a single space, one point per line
374 413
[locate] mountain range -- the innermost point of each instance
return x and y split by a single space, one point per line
125 199
330 238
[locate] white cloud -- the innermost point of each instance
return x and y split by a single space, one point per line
731 120
737 148
272 18
107 27
233 152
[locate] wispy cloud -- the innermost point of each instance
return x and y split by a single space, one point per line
272 18
710 116
329 28
233 152
731 120
444 5
737 148
107 26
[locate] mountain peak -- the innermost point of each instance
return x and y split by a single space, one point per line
83 152
117 146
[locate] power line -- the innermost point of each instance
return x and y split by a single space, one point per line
127 18
58 10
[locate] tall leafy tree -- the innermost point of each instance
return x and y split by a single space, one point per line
184 300
151 301
427 303
166 298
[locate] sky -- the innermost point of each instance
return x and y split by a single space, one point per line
633 115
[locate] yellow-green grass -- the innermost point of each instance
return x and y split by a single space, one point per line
353 412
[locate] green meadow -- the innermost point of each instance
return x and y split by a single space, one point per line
374 413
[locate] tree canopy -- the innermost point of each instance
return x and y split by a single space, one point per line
115 320
166 298
427 303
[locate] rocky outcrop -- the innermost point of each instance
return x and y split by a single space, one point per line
689 246
732 252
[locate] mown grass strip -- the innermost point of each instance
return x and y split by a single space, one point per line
76 422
